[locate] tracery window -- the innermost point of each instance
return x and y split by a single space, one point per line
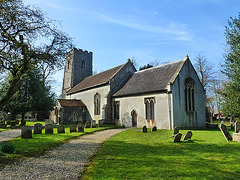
97 104
116 109
149 107
189 94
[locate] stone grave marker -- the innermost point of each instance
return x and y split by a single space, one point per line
37 128
12 123
73 128
100 123
187 135
154 128
237 126
80 127
144 129
3 126
93 124
225 132
48 129
88 124
26 132
61 129
177 137
176 130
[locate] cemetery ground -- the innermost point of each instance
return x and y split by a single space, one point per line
153 155
40 143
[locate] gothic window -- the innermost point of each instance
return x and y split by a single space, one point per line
97 104
68 62
83 64
189 94
116 109
149 107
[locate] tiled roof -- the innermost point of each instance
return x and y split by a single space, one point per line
71 103
152 79
95 80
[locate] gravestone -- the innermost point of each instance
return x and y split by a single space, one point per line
61 129
154 128
73 128
48 129
37 128
144 129
88 124
80 127
225 132
12 123
187 135
177 137
93 124
16 122
176 130
100 123
8 122
3 126
26 132
237 126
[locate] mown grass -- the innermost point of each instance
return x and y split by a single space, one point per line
136 155
42 142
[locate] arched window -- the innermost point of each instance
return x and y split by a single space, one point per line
189 94
149 106
97 104
83 64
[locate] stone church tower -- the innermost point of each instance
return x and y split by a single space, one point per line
78 66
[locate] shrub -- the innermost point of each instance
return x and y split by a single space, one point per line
8 148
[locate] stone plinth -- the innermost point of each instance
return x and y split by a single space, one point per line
236 137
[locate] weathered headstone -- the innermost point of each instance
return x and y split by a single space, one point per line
12 123
144 129
176 130
225 132
26 132
61 129
88 124
3 126
100 123
73 128
187 135
177 137
80 127
154 128
48 129
37 128
93 124
16 122
237 126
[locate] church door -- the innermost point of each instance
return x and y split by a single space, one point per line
134 118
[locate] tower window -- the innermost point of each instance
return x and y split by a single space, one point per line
189 94
68 62
83 64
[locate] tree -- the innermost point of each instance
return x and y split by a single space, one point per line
231 91
32 95
204 70
145 67
22 31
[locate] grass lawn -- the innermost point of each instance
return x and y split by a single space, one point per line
42 142
136 155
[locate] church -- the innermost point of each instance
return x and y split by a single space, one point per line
164 96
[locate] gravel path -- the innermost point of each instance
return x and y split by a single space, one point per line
10 134
64 162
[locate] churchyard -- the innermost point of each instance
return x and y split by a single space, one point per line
39 143
153 155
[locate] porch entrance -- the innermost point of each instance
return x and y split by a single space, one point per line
134 118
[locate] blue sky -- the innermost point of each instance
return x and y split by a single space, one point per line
148 30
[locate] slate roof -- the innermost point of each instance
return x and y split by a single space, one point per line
71 103
95 80
151 80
